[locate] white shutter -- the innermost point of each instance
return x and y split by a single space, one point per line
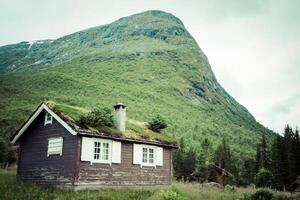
137 154
116 152
55 146
87 147
159 156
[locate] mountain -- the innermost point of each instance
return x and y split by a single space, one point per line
148 61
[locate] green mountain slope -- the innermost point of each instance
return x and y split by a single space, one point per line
148 61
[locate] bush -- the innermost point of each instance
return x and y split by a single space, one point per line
264 178
98 117
263 194
267 194
169 194
157 123
285 197
230 188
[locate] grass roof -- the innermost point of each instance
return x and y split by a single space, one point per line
134 129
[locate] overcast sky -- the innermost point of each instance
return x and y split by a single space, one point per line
253 46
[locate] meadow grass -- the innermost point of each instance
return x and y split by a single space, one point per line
11 189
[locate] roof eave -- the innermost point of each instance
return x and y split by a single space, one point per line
120 138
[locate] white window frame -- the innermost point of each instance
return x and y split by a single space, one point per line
101 160
147 163
59 144
48 121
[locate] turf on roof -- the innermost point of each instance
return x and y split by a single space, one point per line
134 129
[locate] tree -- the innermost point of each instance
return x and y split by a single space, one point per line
184 162
205 148
3 151
264 178
7 153
275 160
157 123
248 172
290 145
258 159
297 150
285 158
223 158
263 155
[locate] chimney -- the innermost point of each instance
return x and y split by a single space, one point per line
120 117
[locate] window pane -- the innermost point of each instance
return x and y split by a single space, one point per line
151 155
105 155
145 152
97 150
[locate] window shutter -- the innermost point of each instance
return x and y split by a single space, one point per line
159 156
116 152
137 154
55 146
87 146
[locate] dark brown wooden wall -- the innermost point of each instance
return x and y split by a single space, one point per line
126 173
34 165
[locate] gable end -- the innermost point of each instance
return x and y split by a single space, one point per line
34 116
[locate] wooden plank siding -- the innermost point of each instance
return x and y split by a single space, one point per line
126 173
35 166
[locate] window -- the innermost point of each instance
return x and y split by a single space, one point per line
97 150
102 151
48 119
145 155
105 151
148 156
55 146
151 156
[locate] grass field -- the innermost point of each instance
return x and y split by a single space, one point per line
11 189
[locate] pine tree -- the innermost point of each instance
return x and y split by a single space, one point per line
184 162
263 155
178 161
275 160
297 149
249 171
258 158
222 157
283 163
290 146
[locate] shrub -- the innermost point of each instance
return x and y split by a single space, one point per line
230 188
169 194
157 123
267 194
264 178
263 194
97 117
283 197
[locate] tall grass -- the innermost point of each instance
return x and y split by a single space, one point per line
10 189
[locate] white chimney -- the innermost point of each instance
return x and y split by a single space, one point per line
120 120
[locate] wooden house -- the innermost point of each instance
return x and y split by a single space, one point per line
54 150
